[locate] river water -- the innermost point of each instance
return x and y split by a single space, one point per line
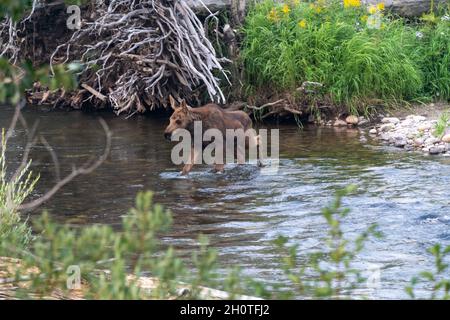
242 211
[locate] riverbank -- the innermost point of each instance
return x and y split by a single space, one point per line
419 128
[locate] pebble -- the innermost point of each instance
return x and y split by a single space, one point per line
424 127
373 131
432 140
340 123
387 127
446 138
352 120
435 150
392 120
363 121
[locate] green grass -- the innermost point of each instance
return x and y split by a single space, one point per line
13 191
442 124
358 64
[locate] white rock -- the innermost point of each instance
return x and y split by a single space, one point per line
436 150
424 127
390 120
419 142
373 131
431 141
387 127
419 118
446 138
340 123
351 119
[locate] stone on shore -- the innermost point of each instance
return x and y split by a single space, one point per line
390 120
340 123
387 127
446 138
351 119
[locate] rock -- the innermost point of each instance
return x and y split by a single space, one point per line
419 118
399 143
435 150
419 142
390 120
363 121
424 127
385 136
339 123
387 127
373 131
446 138
413 8
351 119
431 141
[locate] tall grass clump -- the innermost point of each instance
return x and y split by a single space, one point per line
361 55
442 124
13 191
432 56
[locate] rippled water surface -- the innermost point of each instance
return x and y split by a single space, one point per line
242 211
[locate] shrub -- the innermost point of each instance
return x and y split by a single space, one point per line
432 56
359 54
13 191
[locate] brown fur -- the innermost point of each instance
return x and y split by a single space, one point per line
212 117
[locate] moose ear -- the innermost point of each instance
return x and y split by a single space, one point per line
173 103
184 106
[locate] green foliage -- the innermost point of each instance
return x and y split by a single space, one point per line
95 249
360 57
14 80
13 191
437 280
432 56
14 8
442 124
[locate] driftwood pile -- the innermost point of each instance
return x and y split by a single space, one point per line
134 54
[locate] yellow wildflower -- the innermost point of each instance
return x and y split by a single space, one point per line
364 18
315 7
273 15
296 2
302 23
352 3
286 9
380 6
372 9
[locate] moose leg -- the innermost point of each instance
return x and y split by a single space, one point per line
188 166
219 167
258 152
